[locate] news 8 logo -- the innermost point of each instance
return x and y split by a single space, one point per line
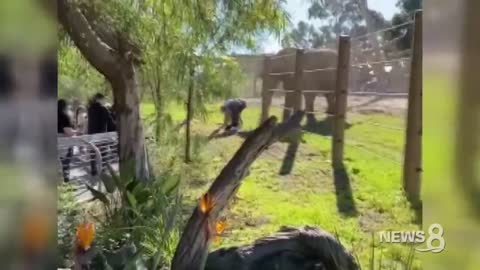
435 232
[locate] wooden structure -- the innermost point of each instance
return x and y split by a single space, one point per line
468 116
341 92
297 95
413 144
293 102
252 66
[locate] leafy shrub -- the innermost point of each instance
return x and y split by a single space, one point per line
68 215
140 217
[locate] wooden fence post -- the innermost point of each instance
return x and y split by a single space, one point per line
341 92
266 93
288 105
297 100
293 101
413 138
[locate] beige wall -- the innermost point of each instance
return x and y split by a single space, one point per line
252 66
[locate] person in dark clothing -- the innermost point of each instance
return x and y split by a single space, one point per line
49 77
6 76
98 115
232 110
99 121
111 124
65 127
81 119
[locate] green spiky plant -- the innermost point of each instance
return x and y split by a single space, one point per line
138 228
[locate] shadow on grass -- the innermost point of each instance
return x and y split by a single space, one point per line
290 155
293 141
322 127
218 133
343 191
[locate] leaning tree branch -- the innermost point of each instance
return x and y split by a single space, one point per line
192 250
96 51
116 39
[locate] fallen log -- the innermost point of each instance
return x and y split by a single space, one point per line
306 248
193 247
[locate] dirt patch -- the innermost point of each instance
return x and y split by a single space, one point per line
239 219
372 104
358 104
371 220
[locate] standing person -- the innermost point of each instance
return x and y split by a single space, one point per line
81 122
112 127
111 123
81 119
65 128
98 115
98 122
232 111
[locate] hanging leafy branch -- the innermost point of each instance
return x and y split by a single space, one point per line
163 38
200 32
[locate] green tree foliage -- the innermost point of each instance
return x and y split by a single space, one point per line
409 5
172 36
404 36
336 17
76 78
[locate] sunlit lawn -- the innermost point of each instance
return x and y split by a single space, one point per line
301 190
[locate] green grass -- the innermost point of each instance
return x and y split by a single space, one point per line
371 199
447 203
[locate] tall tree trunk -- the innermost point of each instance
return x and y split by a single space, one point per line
118 67
189 114
158 112
130 130
155 84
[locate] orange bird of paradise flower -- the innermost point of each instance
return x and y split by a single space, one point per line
206 203
85 235
219 229
35 231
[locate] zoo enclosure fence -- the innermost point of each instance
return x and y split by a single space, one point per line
411 164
